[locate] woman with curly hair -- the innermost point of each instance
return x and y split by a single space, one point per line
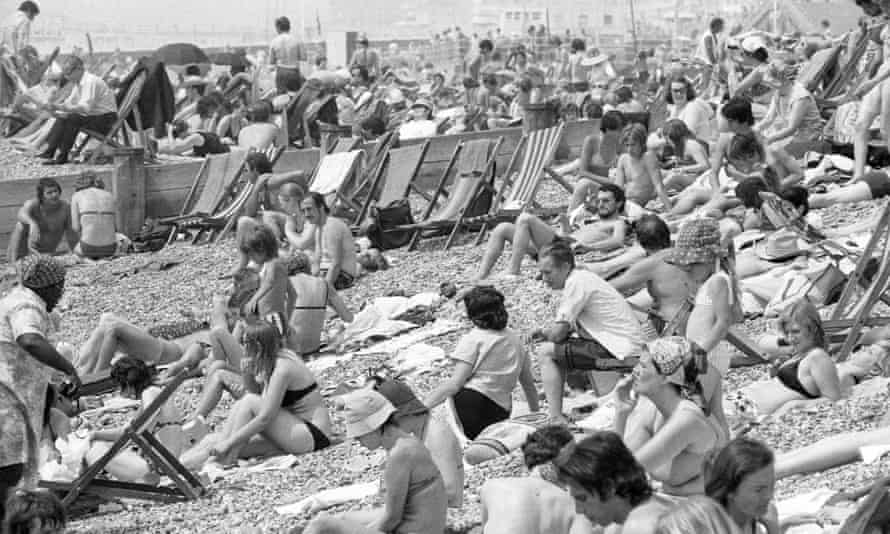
489 360
690 154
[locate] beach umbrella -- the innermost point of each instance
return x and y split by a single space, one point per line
180 54
230 59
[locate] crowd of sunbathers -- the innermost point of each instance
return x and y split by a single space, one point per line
652 261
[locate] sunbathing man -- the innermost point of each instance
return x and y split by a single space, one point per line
870 186
259 133
530 233
652 235
332 246
604 325
42 223
93 216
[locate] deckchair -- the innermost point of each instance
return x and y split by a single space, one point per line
332 177
216 176
343 144
395 180
187 486
126 107
538 148
468 184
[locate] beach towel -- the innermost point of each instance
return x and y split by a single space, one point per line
328 498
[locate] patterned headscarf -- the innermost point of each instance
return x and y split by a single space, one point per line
669 355
697 242
40 271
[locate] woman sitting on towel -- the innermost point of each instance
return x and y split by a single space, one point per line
683 105
134 379
288 417
489 360
414 500
808 375
665 424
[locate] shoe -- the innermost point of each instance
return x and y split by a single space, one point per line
45 155
56 161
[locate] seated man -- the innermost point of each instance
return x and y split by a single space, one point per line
41 223
652 236
181 140
91 105
607 334
259 133
93 217
329 243
530 233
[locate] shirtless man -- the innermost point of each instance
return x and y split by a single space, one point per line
530 233
42 223
599 154
286 54
637 170
93 217
259 134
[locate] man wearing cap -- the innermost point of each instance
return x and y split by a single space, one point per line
93 216
594 329
286 54
91 105
414 417
365 57
27 360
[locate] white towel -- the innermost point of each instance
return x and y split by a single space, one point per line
328 498
332 171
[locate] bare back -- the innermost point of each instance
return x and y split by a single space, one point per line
258 136
667 286
96 212
528 505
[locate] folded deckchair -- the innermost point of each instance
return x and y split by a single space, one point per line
216 176
471 173
332 176
395 178
187 486
538 148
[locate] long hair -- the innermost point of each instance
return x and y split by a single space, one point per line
804 314
678 133
261 342
698 514
635 133
728 468
46 183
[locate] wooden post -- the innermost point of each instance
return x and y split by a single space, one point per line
128 188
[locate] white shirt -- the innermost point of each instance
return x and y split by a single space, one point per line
16 31
417 130
497 358
94 93
597 310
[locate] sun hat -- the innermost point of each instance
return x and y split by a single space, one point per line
401 396
39 271
753 43
669 355
780 245
366 411
423 103
594 60
697 242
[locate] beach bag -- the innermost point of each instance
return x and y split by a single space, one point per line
385 219
827 286
151 237
873 514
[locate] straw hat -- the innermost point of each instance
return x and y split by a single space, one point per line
697 242
781 245
366 411
423 103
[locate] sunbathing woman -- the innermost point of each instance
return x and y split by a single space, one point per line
134 379
489 361
599 154
414 499
289 417
809 375
872 186
534 504
667 430
690 153
113 335
637 170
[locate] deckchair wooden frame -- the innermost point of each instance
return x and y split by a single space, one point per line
527 200
341 195
343 144
381 180
187 485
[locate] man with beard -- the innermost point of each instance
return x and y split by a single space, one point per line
26 361
42 223
529 233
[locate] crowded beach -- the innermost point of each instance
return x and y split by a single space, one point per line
497 284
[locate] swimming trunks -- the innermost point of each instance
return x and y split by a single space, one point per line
97 252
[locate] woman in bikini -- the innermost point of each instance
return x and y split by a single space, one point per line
599 154
314 295
665 424
288 417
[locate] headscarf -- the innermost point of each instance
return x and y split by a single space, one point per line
39 271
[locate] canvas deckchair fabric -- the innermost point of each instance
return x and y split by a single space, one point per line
468 180
396 177
187 486
344 144
333 173
539 150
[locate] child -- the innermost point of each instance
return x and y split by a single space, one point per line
34 512
134 378
274 298
490 359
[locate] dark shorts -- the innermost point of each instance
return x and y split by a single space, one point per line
285 76
97 253
878 183
477 411
319 439
10 476
588 355
344 281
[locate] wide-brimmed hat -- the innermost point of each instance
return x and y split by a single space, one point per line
697 242
423 103
593 61
780 245
366 411
401 396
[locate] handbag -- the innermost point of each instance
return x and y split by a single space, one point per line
384 220
827 286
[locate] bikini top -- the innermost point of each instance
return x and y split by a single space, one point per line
787 375
293 396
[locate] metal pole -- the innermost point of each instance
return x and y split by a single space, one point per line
633 26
